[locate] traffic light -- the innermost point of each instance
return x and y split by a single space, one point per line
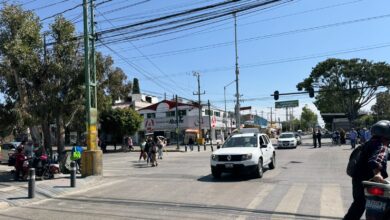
276 95
311 92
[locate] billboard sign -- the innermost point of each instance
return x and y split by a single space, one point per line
287 104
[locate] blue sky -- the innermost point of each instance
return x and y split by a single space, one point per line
275 52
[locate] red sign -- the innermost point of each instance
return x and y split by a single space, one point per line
213 121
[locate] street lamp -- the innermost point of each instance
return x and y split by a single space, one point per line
224 94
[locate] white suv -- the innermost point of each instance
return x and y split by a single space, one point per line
247 152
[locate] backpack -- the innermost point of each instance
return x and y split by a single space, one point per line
76 154
355 160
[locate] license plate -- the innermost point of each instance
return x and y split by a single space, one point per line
229 165
375 205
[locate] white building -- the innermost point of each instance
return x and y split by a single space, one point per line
160 119
136 101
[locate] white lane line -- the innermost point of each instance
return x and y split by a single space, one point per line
331 201
291 201
265 190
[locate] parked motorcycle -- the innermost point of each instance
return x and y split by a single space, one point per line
45 168
377 200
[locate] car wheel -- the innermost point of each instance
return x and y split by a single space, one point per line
259 171
216 173
273 162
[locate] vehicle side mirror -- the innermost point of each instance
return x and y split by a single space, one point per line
263 146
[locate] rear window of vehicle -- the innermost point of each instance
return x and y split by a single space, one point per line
286 136
241 142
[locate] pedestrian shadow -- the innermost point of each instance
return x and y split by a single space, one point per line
141 165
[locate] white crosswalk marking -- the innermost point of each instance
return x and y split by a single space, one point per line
265 190
331 201
290 201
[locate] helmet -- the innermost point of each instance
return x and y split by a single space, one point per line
381 129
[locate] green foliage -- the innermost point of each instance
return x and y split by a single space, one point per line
20 50
381 109
136 89
364 121
112 83
121 121
346 85
308 118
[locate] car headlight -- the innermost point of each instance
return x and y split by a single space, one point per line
246 157
291 142
214 157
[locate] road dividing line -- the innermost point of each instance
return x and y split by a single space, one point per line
290 202
265 190
331 201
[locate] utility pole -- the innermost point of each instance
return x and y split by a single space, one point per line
224 95
287 118
200 105
271 117
211 139
177 125
92 158
238 119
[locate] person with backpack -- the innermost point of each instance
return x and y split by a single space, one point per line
368 162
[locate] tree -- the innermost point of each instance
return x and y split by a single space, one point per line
120 122
20 68
381 109
136 89
308 118
346 85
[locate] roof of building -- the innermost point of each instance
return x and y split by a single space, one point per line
171 104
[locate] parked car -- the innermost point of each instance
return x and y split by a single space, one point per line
287 140
243 153
7 149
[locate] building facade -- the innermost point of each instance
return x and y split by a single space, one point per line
160 119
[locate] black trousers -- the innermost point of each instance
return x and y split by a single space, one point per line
358 205
319 142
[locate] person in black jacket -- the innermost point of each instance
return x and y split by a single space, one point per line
372 166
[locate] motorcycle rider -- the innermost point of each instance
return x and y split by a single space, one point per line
20 158
372 166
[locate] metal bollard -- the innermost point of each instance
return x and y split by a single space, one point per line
73 174
186 147
204 146
31 183
212 148
198 147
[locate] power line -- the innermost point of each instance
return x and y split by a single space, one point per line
292 59
247 40
150 61
213 28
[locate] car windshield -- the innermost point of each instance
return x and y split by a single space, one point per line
286 136
241 142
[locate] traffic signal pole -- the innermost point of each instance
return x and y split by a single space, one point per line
92 158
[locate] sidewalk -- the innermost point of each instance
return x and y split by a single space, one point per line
14 193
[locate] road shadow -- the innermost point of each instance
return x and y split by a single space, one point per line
141 165
6 176
229 177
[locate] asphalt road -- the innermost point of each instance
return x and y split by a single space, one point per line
307 183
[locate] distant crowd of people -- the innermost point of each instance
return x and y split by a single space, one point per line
339 136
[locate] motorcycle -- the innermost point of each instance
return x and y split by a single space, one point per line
45 168
377 200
